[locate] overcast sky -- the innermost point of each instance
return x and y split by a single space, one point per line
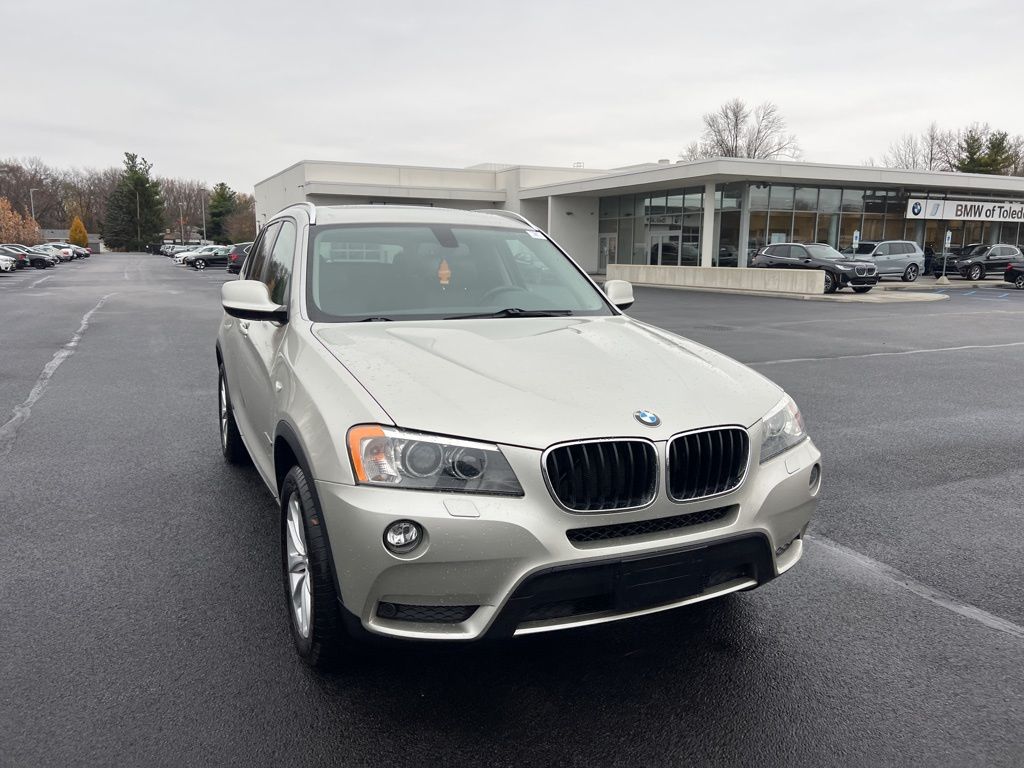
238 90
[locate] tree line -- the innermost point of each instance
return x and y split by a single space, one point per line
737 129
129 207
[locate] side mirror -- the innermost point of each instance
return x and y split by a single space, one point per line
620 293
250 300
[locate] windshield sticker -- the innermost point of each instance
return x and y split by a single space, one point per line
444 273
535 233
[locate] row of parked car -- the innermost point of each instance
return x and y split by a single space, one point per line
15 256
862 268
207 256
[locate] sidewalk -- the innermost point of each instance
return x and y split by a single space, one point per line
956 283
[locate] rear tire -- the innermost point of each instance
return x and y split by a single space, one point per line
1019 283
910 273
231 444
314 608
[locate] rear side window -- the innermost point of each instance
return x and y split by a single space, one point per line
253 269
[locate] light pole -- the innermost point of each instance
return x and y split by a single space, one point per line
32 201
138 222
202 206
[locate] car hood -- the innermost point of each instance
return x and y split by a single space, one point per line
538 381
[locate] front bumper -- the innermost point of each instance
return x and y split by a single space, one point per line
852 279
500 566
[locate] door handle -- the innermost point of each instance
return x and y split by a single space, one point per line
243 327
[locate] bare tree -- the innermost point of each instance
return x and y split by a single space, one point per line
184 204
736 130
932 150
241 224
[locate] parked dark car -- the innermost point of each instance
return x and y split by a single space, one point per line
1015 274
840 271
237 257
218 257
987 259
25 256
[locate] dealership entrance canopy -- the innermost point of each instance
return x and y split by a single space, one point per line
712 213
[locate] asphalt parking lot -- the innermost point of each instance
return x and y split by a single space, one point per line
143 622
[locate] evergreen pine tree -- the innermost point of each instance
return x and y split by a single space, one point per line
77 235
135 209
223 202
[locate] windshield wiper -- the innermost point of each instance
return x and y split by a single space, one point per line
515 312
375 320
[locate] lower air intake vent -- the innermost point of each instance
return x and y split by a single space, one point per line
643 527
426 614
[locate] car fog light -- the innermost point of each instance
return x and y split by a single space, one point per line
815 480
403 537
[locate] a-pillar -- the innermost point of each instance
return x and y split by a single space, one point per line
707 227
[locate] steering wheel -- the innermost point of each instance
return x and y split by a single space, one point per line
500 290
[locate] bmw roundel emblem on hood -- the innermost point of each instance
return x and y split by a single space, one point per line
647 418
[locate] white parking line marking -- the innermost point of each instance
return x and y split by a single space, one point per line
930 594
887 354
40 280
21 412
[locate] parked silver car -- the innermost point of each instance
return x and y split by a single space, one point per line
467 437
892 258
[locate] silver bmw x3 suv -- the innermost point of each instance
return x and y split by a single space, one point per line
468 438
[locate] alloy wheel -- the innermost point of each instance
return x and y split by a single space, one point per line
1019 282
300 583
975 272
223 397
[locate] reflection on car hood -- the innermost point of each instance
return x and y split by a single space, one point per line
538 381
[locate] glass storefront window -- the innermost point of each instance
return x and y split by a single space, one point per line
830 200
674 205
853 201
759 197
656 205
780 226
730 196
608 208
804 227
782 197
807 198
828 228
692 200
758 237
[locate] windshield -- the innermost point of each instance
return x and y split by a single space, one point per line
406 272
824 251
981 250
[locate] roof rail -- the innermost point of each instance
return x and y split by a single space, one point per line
507 214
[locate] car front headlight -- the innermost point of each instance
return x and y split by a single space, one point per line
395 458
781 429
845 269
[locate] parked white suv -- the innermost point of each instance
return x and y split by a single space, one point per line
468 438
892 258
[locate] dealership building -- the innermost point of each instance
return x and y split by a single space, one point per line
708 213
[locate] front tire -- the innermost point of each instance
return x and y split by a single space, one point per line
910 273
231 444
314 611
831 284
199 264
976 272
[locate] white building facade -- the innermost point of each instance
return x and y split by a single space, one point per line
710 213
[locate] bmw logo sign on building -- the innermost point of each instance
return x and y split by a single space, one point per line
647 418
916 208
